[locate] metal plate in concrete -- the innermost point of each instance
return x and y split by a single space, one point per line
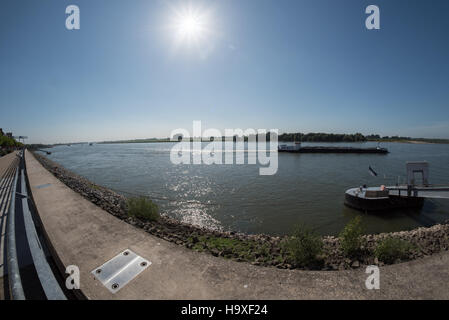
42 186
117 272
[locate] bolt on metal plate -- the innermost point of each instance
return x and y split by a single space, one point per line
117 272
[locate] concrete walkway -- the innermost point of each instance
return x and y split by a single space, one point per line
82 234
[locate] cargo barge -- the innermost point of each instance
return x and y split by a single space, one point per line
297 148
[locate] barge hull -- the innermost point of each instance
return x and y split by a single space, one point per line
337 150
383 204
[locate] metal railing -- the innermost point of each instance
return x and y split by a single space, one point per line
15 282
47 279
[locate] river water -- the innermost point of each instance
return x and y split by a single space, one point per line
307 188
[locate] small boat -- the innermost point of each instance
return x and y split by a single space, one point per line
91 144
47 152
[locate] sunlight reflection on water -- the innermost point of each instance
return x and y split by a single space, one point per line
307 187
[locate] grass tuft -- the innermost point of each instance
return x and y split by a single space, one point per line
143 208
351 238
304 247
391 249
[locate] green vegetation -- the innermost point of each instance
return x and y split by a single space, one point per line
151 140
376 137
94 186
7 145
322 137
143 208
357 137
6 142
301 137
351 238
391 249
244 250
304 247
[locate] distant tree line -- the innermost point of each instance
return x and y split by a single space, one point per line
299 137
309 137
378 137
322 137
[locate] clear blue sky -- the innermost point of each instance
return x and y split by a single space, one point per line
293 65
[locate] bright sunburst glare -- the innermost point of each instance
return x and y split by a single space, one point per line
191 25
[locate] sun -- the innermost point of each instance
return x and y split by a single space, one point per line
191 25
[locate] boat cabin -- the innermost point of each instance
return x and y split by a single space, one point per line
286 147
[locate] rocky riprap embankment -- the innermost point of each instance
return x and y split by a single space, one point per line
257 249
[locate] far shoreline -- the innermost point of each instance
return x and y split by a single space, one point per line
280 141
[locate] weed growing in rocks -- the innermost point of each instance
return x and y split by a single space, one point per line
305 247
391 249
351 238
143 208
231 248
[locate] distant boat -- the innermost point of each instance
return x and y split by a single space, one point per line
296 148
47 152
91 144
290 148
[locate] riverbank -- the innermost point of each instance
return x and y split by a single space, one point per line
261 250
413 141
